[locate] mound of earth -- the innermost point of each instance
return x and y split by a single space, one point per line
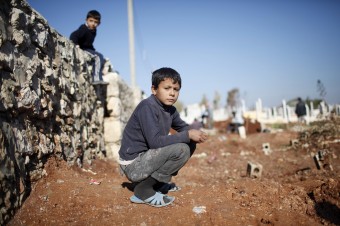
219 185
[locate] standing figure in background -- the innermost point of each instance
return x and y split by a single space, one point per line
196 124
205 118
300 110
236 122
84 37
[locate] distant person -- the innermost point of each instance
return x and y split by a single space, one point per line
301 111
149 155
236 122
205 118
84 37
196 124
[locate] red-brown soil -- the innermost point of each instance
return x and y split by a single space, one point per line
215 187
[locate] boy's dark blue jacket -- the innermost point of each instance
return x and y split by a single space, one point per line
149 127
84 37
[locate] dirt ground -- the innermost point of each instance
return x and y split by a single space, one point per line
216 189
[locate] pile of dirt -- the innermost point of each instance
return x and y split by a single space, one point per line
217 189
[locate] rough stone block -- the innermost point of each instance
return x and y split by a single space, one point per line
114 107
113 88
112 151
112 130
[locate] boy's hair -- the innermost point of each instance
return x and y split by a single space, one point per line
94 14
163 73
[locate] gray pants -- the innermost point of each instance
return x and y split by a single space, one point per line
97 65
161 163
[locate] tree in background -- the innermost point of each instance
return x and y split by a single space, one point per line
233 99
321 89
217 99
204 101
316 102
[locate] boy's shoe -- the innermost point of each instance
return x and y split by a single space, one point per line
157 200
99 83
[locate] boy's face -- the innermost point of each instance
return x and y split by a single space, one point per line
92 23
167 92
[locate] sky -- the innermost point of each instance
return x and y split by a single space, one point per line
269 49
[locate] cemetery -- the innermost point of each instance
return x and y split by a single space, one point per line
60 136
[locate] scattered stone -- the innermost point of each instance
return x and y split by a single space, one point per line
222 138
200 155
212 158
303 171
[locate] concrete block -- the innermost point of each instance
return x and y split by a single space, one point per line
294 142
254 170
266 148
323 159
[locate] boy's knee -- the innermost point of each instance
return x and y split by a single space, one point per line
184 150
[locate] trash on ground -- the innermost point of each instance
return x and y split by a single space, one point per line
199 209
93 181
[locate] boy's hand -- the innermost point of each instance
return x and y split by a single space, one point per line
197 135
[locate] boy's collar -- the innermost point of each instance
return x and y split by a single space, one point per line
157 101
160 103
88 27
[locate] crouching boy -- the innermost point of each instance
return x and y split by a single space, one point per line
149 155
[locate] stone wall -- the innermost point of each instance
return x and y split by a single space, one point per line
120 102
48 108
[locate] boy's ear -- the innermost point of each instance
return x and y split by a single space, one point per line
153 90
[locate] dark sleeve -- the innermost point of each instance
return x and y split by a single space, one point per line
77 35
151 129
178 124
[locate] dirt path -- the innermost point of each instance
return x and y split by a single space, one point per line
215 189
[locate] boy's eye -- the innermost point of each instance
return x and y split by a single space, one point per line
175 89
